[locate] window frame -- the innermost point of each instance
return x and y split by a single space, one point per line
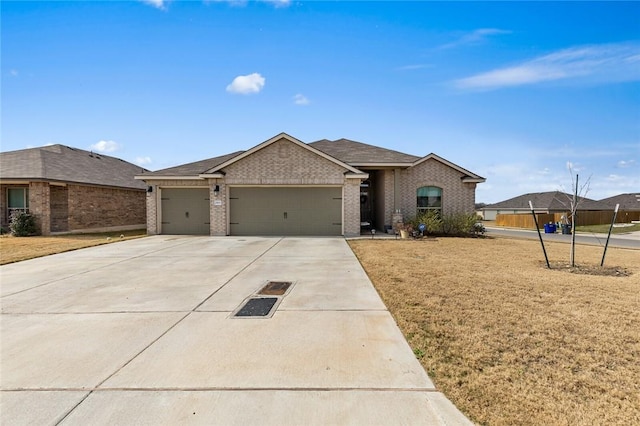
25 200
431 205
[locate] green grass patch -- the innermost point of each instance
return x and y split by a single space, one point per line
604 229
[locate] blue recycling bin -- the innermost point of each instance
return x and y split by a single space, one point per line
549 228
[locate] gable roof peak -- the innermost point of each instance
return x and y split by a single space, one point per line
276 138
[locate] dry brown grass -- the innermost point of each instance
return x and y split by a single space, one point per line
509 341
15 249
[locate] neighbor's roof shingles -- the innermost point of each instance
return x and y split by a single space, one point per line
193 169
60 163
554 200
630 201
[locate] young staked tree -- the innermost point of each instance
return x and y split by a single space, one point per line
578 194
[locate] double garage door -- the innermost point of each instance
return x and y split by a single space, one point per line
257 211
285 211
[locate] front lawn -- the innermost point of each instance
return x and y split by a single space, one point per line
509 341
15 249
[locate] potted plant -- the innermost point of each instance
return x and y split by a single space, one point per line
406 229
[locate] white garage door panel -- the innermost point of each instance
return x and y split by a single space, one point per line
185 211
286 211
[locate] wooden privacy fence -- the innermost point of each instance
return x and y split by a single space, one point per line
525 220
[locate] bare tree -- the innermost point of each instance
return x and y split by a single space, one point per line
578 194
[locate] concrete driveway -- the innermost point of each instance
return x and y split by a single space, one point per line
144 332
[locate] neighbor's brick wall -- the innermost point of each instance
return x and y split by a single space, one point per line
97 207
457 197
39 202
59 208
284 163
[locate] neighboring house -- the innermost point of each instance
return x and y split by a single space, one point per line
69 189
543 202
286 187
628 202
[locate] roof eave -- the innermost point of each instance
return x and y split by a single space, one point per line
166 177
356 175
393 165
447 163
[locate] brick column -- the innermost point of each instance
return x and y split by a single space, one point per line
351 206
152 210
40 205
218 208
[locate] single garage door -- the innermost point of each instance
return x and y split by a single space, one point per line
185 211
286 211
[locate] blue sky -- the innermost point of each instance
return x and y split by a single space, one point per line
512 91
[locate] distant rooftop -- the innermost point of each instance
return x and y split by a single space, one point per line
61 163
554 200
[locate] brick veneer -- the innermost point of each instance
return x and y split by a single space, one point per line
39 202
99 207
280 163
284 163
58 208
457 196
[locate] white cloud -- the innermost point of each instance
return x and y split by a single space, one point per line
622 164
13 73
475 37
158 4
300 99
278 3
413 67
574 167
143 161
105 146
241 3
246 84
603 63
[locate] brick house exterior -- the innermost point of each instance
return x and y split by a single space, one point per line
373 184
72 190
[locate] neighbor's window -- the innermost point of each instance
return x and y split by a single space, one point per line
17 199
429 198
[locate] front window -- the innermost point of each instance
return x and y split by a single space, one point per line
17 199
429 198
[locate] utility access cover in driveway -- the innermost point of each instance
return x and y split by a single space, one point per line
275 288
257 307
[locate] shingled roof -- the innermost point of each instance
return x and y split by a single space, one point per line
358 153
60 163
552 201
192 169
630 201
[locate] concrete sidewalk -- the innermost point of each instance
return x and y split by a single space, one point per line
142 332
